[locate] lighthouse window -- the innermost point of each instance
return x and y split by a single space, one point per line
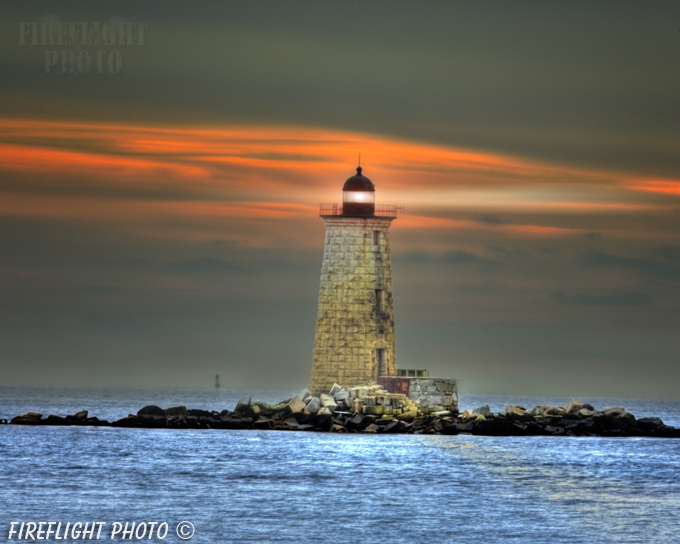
381 362
376 237
379 300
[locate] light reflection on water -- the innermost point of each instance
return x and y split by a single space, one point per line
614 490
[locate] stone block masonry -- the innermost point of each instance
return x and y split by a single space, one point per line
428 394
355 340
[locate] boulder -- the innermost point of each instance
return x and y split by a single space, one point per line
359 392
31 418
585 413
295 405
341 395
386 419
150 410
483 411
269 410
80 416
323 422
356 423
599 417
464 427
534 429
253 412
178 423
337 388
304 418
393 427
56 420
536 411
96 422
130 421
649 423
435 427
450 429
152 422
372 428
494 427
242 405
194 423
553 411
313 405
291 423
666 431
574 406
200 413
235 422
408 415
609 413
176 411
373 410
328 402
515 410
304 395
520 427
623 422
264 424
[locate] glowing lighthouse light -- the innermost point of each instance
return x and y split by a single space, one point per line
358 196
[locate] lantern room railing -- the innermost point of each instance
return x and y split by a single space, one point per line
381 210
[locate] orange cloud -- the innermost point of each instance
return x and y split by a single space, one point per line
205 175
323 155
658 186
39 159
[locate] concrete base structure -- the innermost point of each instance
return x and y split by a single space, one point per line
428 394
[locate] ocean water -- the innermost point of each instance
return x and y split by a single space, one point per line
292 487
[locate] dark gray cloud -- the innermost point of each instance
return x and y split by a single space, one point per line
573 83
615 299
490 220
658 266
456 257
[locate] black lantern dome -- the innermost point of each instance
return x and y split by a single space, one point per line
358 196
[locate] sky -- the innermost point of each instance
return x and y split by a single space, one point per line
162 166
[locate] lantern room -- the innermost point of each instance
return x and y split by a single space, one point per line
358 196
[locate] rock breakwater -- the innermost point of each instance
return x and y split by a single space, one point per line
373 410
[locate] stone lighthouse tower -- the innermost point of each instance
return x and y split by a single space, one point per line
355 342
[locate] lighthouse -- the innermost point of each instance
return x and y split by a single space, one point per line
355 342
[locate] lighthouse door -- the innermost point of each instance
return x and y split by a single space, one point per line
381 362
